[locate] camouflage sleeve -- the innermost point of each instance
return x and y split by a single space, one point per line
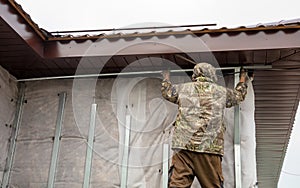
236 96
169 91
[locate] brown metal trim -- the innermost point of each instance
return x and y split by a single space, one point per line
185 32
24 15
15 23
154 45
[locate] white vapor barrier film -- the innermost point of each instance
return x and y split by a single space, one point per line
151 127
8 100
151 122
152 119
248 142
37 131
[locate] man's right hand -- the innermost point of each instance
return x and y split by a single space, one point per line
243 75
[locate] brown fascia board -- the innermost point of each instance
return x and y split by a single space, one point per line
223 39
21 23
154 44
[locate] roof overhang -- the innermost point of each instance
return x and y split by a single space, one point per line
12 15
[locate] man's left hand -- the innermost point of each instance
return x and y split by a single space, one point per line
166 75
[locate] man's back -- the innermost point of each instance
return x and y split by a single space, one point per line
199 124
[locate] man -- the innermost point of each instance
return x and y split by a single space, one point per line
198 137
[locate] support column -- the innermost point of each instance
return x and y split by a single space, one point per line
124 168
55 150
90 146
14 134
237 138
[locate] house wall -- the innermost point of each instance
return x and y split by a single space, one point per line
151 127
8 99
138 97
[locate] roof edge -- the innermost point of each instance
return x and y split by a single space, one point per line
20 11
185 32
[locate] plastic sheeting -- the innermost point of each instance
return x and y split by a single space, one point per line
248 142
151 127
8 98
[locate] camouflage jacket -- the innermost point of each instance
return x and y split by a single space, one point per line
199 124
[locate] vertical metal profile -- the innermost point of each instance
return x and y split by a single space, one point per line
90 145
124 167
165 165
55 150
237 139
14 134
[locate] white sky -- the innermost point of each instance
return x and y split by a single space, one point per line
92 14
59 15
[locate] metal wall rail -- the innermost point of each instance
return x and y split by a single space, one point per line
90 146
55 150
237 140
132 73
14 134
165 171
125 159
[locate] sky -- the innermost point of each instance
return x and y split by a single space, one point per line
62 15
58 15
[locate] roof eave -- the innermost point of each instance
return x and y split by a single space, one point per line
175 43
21 24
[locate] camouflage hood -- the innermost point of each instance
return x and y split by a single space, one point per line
204 70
